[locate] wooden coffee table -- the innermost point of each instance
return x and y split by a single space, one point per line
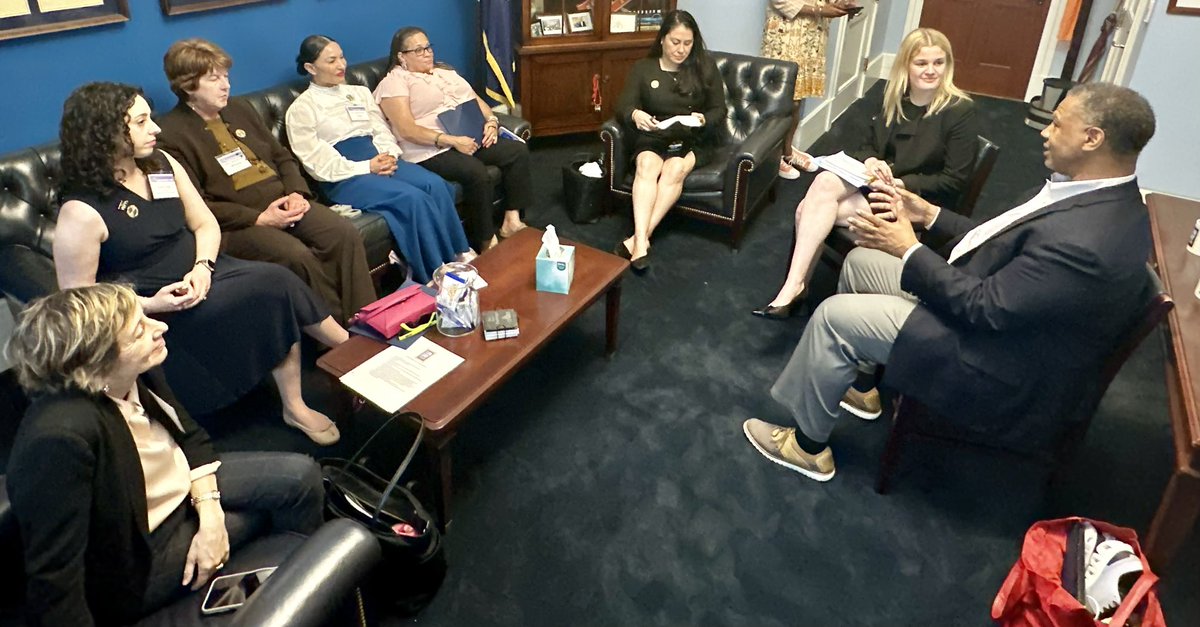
510 272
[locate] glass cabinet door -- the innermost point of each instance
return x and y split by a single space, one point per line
554 18
633 16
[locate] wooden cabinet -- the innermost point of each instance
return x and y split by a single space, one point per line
574 57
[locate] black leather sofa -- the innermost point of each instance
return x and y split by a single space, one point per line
314 585
742 173
29 198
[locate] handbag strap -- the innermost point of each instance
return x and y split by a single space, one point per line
1133 599
412 451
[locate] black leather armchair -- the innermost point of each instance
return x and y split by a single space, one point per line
759 111
29 195
314 584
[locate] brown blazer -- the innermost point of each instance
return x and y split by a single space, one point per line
185 136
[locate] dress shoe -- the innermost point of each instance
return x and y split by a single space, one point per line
621 251
783 312
641 264
504 234
325 437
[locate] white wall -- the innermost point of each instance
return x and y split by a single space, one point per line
1165 75
729 26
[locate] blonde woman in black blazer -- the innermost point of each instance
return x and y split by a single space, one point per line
924 138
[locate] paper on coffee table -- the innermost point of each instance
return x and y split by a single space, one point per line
395 376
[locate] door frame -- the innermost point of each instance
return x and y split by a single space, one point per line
1042 64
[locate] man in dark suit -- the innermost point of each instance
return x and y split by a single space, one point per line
996 325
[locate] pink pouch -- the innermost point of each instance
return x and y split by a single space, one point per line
404 306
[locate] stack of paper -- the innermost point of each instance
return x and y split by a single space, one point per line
686 120
846 167
395 376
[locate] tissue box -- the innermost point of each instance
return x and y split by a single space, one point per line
555 276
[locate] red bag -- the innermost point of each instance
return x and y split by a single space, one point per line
404 306
1033 594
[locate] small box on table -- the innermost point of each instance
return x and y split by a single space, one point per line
554 275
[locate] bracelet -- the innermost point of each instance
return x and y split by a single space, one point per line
215 495
435 140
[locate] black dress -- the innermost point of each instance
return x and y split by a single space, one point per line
224 346
652 89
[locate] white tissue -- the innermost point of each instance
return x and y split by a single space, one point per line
591 169
550 242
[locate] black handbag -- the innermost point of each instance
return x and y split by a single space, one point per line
413 565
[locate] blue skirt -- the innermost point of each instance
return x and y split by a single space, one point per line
417 204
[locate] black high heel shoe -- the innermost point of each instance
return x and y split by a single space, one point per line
641 264
783 312
621 251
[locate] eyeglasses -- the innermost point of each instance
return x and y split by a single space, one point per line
422 50
411 331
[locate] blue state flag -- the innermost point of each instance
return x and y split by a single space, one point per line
499 59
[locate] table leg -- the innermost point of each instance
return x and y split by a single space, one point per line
612 317
441 469
1175 519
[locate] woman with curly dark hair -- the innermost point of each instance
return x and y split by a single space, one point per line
131 214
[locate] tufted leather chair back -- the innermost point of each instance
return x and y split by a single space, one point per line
755 89
28 210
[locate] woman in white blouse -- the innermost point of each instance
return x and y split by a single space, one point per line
342 139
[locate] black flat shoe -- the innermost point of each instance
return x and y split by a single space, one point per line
621 251
641 264
783 312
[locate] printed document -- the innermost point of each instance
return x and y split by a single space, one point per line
397 375
686 120
846 167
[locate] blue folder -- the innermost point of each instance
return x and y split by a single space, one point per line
466 119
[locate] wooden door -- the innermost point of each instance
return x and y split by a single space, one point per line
615 68
556 92
995 41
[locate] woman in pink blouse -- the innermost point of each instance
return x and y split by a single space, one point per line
411 95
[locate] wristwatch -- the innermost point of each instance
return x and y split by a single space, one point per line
207 263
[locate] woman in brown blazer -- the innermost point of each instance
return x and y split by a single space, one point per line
253 184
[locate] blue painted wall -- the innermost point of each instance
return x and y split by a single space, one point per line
261 38
729 27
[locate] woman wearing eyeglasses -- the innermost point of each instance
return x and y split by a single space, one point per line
412 95
343 141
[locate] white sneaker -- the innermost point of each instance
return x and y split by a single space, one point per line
1111 560
786 171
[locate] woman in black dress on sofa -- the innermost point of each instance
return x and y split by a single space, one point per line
131 214
122 503
677 78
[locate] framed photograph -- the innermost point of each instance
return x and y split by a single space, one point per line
22 18
535 29
1184 7
180 7
551 24
580 22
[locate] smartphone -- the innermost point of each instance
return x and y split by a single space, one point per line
228 592
852 11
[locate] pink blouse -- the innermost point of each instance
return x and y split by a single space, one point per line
428 95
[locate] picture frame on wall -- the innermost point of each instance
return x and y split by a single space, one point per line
1184 7
580 22
25 18
551 24
181 7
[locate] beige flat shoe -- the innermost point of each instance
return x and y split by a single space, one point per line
325 437
507 234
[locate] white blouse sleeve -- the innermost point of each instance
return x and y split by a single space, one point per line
322 161
381 131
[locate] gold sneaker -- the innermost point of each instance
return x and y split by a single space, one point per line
778 444
865 405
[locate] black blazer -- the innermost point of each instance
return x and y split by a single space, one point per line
77 490
932 155
1005 338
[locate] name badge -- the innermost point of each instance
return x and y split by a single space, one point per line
357 112
233 161
162 185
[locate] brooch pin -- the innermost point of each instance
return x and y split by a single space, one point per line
240 133
654 84
128 208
